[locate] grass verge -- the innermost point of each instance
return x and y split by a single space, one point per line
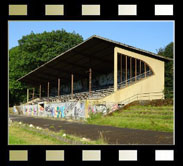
22 134
146 117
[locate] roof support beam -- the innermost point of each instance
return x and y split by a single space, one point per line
130 67
40 91
145 69
115 70
121 67
27 95
90 80
33 92
48 90
135 69
58 86
72 84
140 66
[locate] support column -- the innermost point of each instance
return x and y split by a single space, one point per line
140 66
27 95
121 68
39 91
90 81
126 70
48 90
58 86
72 83
130 67
145 69
33 91
115 69
135 69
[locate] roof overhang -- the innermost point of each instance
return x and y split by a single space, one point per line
95 52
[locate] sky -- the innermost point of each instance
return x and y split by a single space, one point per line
146 35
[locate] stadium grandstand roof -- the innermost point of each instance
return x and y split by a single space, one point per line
96 52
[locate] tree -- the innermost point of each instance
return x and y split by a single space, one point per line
168 52
34 50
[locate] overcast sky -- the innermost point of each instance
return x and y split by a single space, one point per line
149 36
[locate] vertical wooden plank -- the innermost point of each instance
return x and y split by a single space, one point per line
130 67
58 86
145 69
140 66
135 69
39 91
27 95
115 69
33 92
72 83
48 90
121 79
126 69
90 80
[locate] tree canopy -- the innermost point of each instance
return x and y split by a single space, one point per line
169 68
32 51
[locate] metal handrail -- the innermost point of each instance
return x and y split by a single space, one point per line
133 79
120 85
137 96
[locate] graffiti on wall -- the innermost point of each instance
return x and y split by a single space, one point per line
102 108
74 110
30 110
97 108
98 81
40 110
15 110
56 110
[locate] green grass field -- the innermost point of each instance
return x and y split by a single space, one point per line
22 134
157 118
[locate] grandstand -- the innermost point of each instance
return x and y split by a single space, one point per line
96 75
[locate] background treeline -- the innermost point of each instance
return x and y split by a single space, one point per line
169 69
34 50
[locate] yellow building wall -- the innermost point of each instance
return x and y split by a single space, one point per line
154 83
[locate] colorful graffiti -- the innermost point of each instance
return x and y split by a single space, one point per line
74 110
15 110
102 108
97 108
58 110
30 110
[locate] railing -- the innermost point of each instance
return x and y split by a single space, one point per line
113 106
134 79
96 94
144 96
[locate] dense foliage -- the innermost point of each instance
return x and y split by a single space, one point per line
168 52
34 50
